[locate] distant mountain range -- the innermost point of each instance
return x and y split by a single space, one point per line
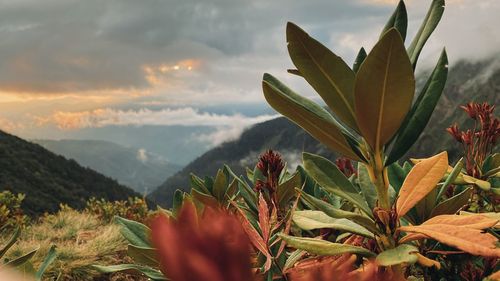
137 168
48 179
466 82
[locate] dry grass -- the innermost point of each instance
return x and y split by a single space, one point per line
82 240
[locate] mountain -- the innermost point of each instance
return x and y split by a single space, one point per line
48 179
133 167
467 81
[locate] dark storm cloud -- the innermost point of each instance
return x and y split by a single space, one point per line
61 46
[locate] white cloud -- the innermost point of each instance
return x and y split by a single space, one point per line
186 116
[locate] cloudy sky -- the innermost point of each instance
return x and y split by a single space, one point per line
68 65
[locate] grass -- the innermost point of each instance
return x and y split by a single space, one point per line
82 240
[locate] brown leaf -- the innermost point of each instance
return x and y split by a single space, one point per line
420 181
472 241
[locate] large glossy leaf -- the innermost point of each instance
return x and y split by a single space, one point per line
360 58
136 233
326 72
470 240
453 204
324 248
398 20
420 114
401 254
147 271
430 22
328 176
307 114
420 181
309 220
384 90
334 212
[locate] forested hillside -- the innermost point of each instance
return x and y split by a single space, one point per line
48 179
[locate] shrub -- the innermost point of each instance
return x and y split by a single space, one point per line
133 209
11 214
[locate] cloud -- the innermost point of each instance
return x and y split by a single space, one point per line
89 63
186 116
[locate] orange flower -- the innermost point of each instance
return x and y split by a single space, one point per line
210 247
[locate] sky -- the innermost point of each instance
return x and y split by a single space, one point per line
68 66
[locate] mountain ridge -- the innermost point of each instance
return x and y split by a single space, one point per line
49 180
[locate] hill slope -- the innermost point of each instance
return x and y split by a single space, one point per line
137 168
48 179
467 82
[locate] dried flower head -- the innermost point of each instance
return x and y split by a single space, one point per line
271 165
210 247
478 142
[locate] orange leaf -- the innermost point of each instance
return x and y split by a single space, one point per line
255 238
420 181
470 221
425 261
264 224
472 241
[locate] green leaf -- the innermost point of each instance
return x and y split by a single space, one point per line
425 206
136 233
451 177
220 185
428 25
384 90
286 190
396 176
327 175
367 188
324 248
143 255
491 164
309 220
360 58
421 112
337 213
12 241
326 72
49 258
178 201
197 183
294 257
147 271
401 254
22 259
307 114
398 20
453 204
